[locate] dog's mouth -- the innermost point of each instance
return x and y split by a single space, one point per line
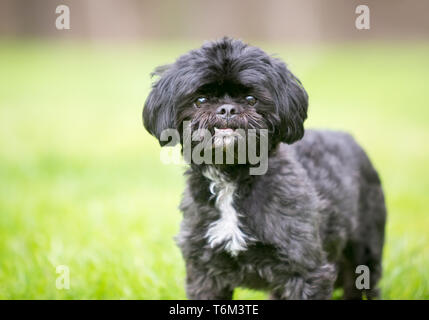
235 131
223 131
223 128
226 128
224 137
228 132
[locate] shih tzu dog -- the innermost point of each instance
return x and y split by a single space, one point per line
301 225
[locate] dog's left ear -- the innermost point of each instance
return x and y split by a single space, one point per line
159 111
292 104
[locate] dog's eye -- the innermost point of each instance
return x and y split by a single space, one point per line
200 101
251 100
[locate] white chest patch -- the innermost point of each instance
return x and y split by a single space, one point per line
225 230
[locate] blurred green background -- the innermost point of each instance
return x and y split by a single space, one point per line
82 184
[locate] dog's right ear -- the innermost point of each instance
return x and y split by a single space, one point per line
159 111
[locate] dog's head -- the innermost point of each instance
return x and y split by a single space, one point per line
227 85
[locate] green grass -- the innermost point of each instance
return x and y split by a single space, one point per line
81 183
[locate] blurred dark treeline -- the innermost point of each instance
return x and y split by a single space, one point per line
271 20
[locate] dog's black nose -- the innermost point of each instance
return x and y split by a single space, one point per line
227 111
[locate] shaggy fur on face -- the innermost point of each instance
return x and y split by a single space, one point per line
297 231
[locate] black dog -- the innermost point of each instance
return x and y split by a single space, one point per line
300 229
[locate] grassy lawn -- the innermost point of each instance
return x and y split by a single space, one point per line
81 183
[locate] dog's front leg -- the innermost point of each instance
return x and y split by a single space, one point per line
200 285
307 273
317 284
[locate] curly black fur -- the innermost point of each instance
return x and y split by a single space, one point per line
316 214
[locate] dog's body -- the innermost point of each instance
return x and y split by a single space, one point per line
297 230
318 210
